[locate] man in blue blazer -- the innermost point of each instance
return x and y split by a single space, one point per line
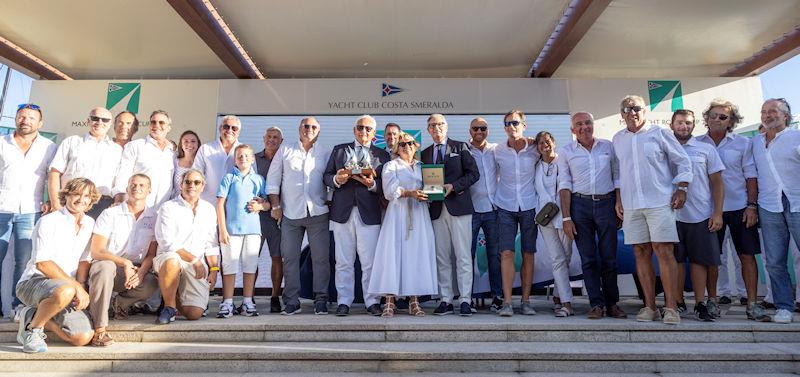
452 218
356 211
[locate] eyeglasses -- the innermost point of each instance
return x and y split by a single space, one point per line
364 128
189 182
512 123
632 109
99 119
713 115
227 127
31 106
437 125
479 128
404 144
310 126
158 122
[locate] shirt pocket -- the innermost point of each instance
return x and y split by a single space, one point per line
732 157
699 164
653 152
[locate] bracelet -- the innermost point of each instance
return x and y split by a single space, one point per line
215 268
566 218
195 260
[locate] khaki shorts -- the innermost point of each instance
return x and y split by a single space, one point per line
32 291
650 225
191 290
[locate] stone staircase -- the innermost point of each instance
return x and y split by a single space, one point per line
478 345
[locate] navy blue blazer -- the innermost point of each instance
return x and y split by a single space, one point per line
461 171
352 193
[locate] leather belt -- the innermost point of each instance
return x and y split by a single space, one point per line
595 197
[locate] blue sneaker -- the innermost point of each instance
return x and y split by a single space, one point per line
25 314
34 341
167 315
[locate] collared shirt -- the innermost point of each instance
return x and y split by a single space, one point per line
482 192
145 157
55 239
778 170
128 237
23 175
736 153
262 164
214 163
699 202
178 227
297 176
515 173
85 157
238 189
546 184
588 172
646 179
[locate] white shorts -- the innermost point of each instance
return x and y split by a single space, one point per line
649 225
191 290
243 250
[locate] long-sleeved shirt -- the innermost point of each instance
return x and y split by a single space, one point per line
296 175
145 157
645 158
178 227
23 175
214 163
736 153
582 171
778 170
85 157
482 192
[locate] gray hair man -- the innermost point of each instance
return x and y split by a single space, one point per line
215 159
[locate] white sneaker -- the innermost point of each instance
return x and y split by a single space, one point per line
34 341
782 316
225 310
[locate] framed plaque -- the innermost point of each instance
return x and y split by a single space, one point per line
433 181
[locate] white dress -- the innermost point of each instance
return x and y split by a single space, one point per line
405 257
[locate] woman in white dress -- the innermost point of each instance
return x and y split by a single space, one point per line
559 246
405 257
188 145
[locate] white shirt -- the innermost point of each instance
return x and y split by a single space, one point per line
128 237
699 203
646 179
145 157
297 176
482 192
515 172
582 171
546 183
85 157
736 153
214 163
23 176
778 170
178 227
55 239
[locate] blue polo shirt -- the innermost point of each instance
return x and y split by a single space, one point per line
239 189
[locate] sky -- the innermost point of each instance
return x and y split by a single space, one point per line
782 80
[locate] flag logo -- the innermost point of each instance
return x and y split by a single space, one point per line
123 96
659 91
388 90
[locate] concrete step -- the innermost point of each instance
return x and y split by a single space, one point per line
398 374
409 357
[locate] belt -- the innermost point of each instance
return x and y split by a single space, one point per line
595 197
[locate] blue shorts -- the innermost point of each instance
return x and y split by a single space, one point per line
509 222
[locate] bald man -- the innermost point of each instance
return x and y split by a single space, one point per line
93 155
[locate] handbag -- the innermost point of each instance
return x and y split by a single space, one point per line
547 213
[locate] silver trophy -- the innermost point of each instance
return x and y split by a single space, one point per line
359 163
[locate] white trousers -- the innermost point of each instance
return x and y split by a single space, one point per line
354 237
241 251
559 247
724 281
453 239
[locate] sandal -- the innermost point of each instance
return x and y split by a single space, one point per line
414 308
564 312
102 339
389 308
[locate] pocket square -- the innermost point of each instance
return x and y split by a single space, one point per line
453 154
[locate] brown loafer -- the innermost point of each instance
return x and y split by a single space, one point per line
102 339
595 313
615 312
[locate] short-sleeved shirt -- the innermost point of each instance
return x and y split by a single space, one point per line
699 203
85 157
736 153
128 237
238 189
214 163
55 239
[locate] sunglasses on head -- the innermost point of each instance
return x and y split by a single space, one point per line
31 106
189 182
404 144
364 128
512 123
158 122
227 127
480 128
632 109
310 126
713 115
99 119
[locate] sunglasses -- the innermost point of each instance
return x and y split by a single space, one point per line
99 119
189 182
310 126
158 122
479 128
31 106
512 123
364 128
713 115
632 109
228 127
404 144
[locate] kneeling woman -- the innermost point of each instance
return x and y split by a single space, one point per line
405 258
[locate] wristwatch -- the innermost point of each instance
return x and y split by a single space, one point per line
683 188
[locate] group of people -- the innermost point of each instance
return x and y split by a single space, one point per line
125 219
